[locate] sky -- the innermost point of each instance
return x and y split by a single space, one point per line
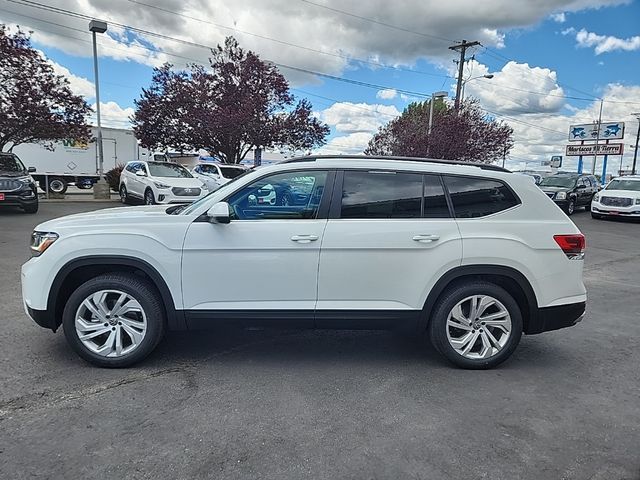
552 61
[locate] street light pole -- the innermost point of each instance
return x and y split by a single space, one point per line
635 153
488 76
100 189
434 95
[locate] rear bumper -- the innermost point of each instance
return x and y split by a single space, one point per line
556 317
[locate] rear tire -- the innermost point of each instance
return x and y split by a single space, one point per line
481 342
102 324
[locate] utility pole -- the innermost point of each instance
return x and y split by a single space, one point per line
635 154
595 155
462 48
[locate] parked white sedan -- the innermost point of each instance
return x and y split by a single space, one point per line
620 198
214 175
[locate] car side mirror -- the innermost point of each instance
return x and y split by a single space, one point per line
31 169
219 213
140 173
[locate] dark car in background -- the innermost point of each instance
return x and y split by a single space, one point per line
570 190
17 187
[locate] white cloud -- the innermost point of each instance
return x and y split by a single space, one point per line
604 43
79 85
387 94
559 17
112 115
353 144
255 23
347 117
511 89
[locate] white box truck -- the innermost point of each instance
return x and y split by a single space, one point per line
73 162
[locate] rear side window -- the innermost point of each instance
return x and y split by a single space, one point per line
392 195
478 197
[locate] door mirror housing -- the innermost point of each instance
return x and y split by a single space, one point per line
140 173
31 169
219 213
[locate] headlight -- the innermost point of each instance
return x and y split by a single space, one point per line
161 185
561 195
596 197
637 201
40 241
27 180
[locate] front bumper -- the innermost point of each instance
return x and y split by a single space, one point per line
556 317
25 197
599 209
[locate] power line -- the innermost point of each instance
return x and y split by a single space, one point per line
377 22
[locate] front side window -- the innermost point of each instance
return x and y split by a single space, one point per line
168 170
478 197
291 195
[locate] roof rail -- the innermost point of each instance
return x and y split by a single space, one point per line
313 158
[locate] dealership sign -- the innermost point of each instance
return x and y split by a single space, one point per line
589 131
603 149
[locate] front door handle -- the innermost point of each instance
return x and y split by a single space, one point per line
426 238
304 238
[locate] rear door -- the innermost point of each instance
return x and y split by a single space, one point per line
389 237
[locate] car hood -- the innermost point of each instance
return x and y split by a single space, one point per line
620 193
179 182
12 174
106 217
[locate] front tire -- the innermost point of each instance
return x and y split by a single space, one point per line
571 207
114 320
476 325
32 208
149 198
124 195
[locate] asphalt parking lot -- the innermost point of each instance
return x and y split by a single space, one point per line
328 405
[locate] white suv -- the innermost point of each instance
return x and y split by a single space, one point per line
215 175
159 182
473 255
620 198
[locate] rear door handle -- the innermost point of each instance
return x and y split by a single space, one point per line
304 238
426 238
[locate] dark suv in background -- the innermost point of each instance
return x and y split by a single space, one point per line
570 190
17 187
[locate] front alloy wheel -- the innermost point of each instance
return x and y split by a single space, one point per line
149 199
571 207
114 319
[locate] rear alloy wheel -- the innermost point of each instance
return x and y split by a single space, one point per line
114 320
149 199
477 325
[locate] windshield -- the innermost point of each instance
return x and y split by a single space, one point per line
168 170
11 163
558 181
196 205
621 184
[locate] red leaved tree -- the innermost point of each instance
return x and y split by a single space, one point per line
469 135
36 105
239 103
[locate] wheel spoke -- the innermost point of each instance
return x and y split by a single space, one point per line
458 315
135 336
133 323
94 334
453 322
487 349
83 326
107 347
89 305
115 310
118 341
494 342
503 324
100 301
485 302
493 316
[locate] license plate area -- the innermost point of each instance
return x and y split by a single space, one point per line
1 197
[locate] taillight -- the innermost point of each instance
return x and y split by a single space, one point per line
572 245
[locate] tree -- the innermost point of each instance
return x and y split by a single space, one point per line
36 105
239 103
468 135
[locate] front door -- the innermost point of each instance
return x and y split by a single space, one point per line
263 265
390 236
